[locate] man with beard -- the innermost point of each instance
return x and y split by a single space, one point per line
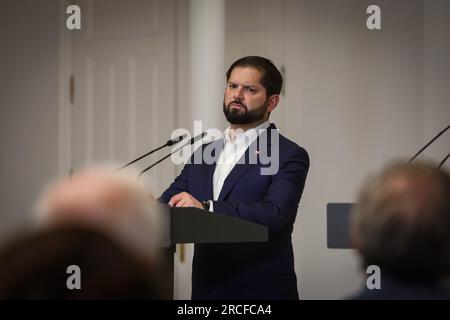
237 186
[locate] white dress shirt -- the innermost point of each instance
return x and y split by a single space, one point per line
230 155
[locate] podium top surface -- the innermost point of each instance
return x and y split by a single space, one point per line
192 225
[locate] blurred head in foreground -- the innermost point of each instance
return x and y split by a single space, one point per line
114 203
402 223
106 223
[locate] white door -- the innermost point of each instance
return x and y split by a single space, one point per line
124 84
123 67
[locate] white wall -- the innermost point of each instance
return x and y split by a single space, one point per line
357 99
437 77
29 36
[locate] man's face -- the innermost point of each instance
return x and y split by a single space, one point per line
245 99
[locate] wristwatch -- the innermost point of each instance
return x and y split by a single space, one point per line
206 205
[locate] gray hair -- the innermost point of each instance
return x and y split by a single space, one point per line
402 221
115 203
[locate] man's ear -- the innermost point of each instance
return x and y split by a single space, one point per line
273 102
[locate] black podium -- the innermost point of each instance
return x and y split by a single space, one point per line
192 225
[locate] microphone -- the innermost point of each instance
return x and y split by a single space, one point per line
442 162
169 143
192 141
432 140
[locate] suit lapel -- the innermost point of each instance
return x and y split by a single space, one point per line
232 179
243 165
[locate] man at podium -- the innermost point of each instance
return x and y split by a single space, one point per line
257 175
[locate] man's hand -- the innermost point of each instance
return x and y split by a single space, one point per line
184 199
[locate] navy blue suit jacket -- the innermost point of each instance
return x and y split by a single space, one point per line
248 270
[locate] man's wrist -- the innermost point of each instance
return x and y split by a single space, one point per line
206 205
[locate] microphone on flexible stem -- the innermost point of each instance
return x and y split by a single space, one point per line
442 162
169 143
432 140
192 141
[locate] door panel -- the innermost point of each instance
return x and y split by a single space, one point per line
123 68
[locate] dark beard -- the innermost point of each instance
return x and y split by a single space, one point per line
243 116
